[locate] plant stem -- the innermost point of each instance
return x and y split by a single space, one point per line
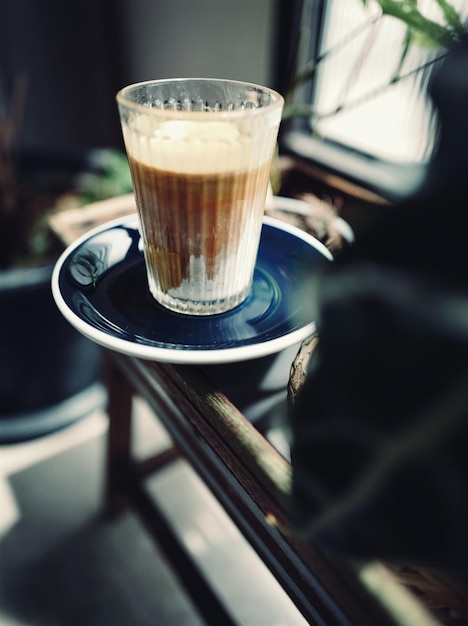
377 91
310 68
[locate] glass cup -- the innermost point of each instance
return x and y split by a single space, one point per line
200 153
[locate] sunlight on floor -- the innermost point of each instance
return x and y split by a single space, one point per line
50 494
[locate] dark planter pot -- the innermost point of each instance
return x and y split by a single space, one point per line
50 375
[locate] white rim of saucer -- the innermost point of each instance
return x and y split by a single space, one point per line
189 356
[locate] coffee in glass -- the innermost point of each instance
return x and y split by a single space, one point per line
200 153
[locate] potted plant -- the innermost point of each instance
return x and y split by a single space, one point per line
49 373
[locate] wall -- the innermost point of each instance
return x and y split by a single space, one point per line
217 38
78 53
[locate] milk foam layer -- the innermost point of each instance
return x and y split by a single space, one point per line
193 147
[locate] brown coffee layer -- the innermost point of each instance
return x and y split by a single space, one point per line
203 216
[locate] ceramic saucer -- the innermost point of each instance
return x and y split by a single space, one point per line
99 285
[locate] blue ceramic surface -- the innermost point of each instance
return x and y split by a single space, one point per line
100 285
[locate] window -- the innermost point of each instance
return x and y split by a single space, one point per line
376 131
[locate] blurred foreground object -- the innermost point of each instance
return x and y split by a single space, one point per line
380 425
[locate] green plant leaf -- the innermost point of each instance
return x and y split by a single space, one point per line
113 180
424 32
425 40
451 15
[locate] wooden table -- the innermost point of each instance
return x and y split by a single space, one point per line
245 473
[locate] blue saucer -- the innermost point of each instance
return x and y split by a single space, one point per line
99 284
